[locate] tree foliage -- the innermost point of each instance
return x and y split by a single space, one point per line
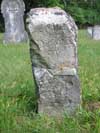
43 3
85 12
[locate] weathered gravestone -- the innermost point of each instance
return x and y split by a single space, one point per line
13 11
94 32
53 49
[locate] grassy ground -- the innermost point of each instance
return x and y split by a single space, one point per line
17 99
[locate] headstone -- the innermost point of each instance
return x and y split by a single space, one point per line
89 29
53 49
13 12
96 32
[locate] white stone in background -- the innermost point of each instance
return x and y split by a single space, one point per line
96 32
89 29
53 49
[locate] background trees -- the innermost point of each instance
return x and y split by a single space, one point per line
85 12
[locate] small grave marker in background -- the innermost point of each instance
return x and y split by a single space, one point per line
13 12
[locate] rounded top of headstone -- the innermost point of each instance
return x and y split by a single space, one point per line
12 5
49 15
46 11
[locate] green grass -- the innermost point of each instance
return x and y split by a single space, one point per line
89 67
17 95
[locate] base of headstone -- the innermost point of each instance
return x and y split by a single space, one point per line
57 93
15 39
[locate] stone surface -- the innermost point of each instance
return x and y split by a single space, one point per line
53 49
94 32
13 11
89 29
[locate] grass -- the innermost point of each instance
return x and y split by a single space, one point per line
17 99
